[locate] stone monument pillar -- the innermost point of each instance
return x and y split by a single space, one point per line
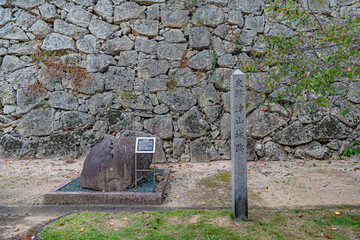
238 146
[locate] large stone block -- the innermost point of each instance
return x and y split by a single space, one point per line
120 78
115 45
293 135
12 147
12 32
126 12
72 120
149 68
161 126
199 37
147 28
38 122
261 123
63 100
89 44
59 145
110 165
70 30
330 128
202 150
313 150
174 16
104 8
171 51
79 17
203 60
179 99
209 15
207 95
56 41
192 125
274 151
102 29
99 62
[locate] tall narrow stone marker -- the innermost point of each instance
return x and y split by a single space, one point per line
238 146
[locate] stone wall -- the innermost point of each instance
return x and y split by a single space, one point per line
154 67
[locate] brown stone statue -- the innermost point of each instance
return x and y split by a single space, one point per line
110 165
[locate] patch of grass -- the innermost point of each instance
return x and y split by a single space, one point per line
205 224
218 180
127 95
171 83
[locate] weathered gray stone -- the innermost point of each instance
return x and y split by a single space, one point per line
221 78
306 117
277 29
104 8
178 147
207 95
12 147
148 28
38 122
85 3
329 128
225 126
202 150
236 18
256 23
22 77
186 78
26 101
161 126
58 145
63 100
126 12
149 68
261 123
114 46
153 12
9 109
26 48
160 109
153 85
178 100
40 29
171 51
174 16
212 112
56 41
5 16
110 166
99 103
120 78
356 133
12 32
293 135
89 44
334 145
11 63
143 44
117 120
226 61
139 103
248 6
246 37
251 150
70 30
148 2
203 60
354 92
128 58
48 12
28 4
222 30
192 125
209 15
274 151
7 93
90 139
91 85
313 150
72 120
218 46
339 105
255 82
174 36
79 17
102 29
199 37
99 62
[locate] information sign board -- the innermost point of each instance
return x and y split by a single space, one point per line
145 145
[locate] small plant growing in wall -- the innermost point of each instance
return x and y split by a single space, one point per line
127 95
354 149
34 90
171 83
54 68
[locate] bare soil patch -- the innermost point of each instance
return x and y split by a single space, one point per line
290 184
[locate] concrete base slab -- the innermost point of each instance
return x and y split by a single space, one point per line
108 198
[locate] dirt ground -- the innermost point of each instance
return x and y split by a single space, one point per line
274 185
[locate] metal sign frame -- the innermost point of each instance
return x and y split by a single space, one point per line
153 160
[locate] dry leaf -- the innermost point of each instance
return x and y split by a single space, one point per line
203 202
112 224
83 229
16 229
125 219
337 213
334 229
